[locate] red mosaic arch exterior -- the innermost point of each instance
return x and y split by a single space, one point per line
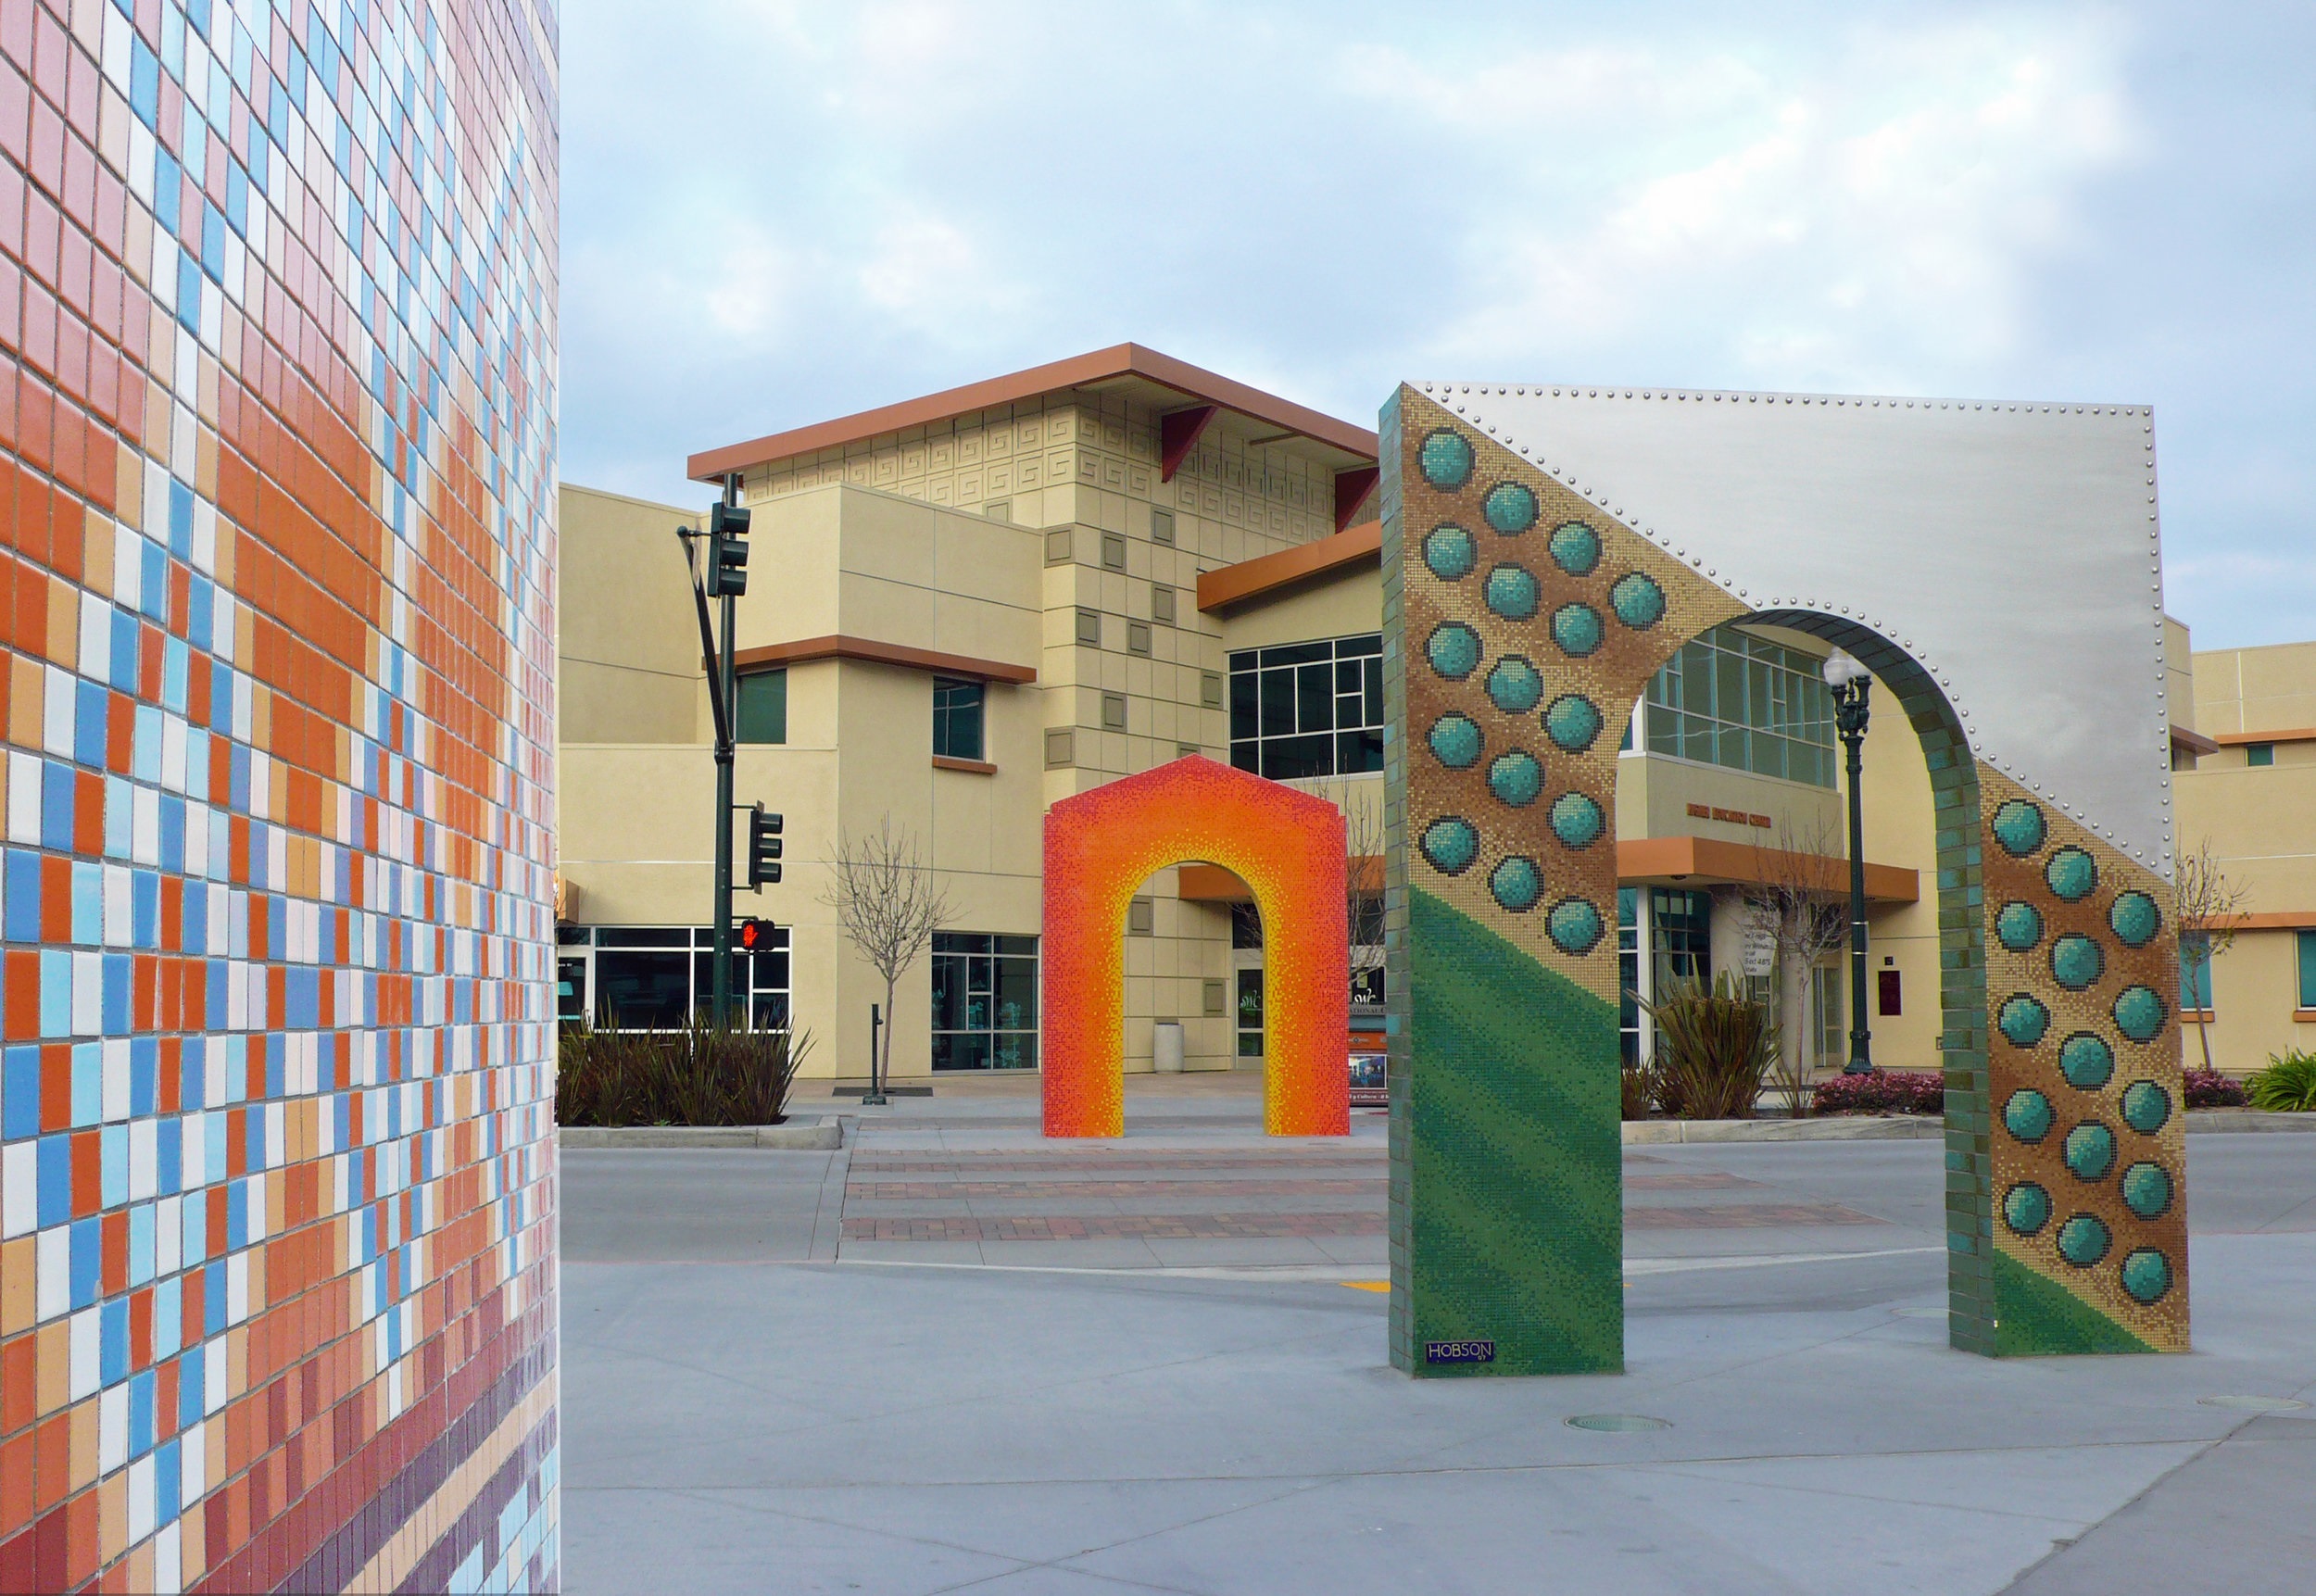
1287 846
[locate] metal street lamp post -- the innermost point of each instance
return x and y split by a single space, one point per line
1850 682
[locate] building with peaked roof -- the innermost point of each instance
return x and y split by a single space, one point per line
967 606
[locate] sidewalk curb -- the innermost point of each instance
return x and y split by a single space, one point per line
802 1132
1902 1128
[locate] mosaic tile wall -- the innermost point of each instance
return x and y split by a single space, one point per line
277 401
1101 846
1521 621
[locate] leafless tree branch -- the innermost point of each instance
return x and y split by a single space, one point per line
890 904
2210 913
1797 899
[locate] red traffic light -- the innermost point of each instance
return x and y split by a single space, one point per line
754 934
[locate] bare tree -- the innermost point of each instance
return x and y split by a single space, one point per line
889 905
2210 913
1797 899
1363 879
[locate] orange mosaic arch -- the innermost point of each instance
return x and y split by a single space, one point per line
1288 847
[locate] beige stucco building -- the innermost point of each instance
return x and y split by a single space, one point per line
2250 793
965 607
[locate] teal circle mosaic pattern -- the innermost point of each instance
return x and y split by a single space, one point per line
2026 1207
1513 687
2133 918
1574 925
2086 1061
2071 874
1517 884
1572 721
1454 650
1446 458
1450 844
2140 1014
2027 1115
1576 821
1637 600
2146 1107
1456 741
2147 1190
2147 1274
1517 779
2019 827
1449 552
1577 629
2018 926
1575 548
1513 592
2084 1240
2023 1019
2090 1151
2076 963
1510 508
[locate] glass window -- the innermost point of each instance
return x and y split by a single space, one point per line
1733 699
2307 969
1683 936
2194 972
1250 1014
1308 709
985 1001
956 719
1628 972
2259 753
761 714
1828 1023
643 991
658 977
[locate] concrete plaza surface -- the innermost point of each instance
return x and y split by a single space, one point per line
954 1356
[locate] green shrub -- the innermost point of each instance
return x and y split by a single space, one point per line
1713 1048
1640 1092
2286 1085
696 1076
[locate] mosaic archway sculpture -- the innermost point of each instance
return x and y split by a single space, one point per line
1287 846
1997 565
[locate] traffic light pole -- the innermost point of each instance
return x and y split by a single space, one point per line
719 1002
721 684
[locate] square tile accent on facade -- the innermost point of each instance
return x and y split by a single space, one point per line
277 401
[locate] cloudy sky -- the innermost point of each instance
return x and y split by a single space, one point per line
776 213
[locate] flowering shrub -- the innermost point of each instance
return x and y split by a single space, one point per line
2211 1090
1883 1092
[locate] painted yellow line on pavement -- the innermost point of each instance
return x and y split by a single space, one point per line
1367 1285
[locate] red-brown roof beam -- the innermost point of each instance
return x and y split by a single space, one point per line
1081 370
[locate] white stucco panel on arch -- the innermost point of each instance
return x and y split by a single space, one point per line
2011 549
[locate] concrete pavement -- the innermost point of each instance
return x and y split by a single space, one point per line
763 1392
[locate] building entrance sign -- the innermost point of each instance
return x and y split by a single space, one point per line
1287 846
1545 551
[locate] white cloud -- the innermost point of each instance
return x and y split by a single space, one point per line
777 212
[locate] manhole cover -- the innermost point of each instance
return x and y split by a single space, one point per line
1617 1424
2250 1404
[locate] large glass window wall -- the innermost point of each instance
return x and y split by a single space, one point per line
985 1001
660 977
1732 699
1308 709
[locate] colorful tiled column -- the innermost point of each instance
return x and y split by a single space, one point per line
277 413
1526 609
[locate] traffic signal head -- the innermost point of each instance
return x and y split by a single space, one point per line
753 934
764 847
728 550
